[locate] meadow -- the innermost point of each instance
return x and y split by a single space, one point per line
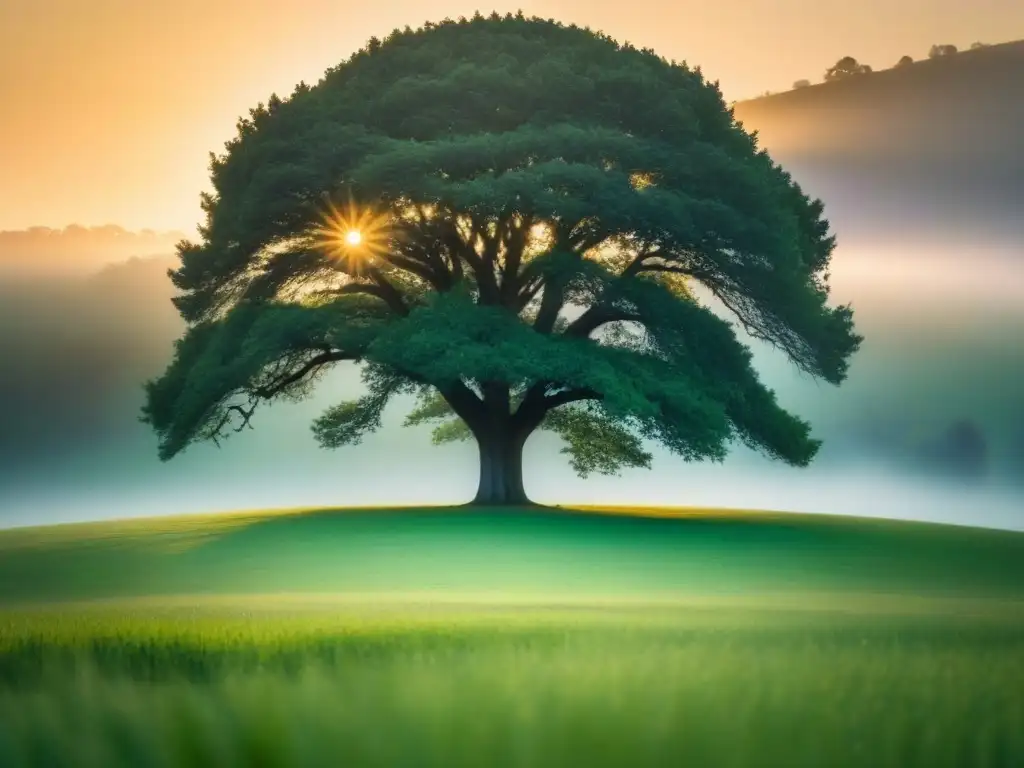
511 638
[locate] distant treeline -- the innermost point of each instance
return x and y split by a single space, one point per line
848 66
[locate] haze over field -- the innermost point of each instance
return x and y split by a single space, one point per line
930 424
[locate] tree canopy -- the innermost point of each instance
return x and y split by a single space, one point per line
846 67
938 51
505 217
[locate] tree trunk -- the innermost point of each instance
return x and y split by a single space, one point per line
501 468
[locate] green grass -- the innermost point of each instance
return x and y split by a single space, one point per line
497 553
498 638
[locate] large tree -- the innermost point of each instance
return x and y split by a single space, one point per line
509 219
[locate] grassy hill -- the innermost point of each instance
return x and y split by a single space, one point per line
461 637
534 554
937 138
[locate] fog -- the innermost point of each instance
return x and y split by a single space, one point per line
43 252
929 425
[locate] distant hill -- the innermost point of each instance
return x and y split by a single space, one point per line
76 250
939 142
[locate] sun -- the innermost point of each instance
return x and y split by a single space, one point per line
354 235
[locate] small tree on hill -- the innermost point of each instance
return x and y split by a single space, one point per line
801 84
504 217
976 46
905 61
846 67
940 51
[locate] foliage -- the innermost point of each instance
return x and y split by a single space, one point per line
905 61
939 51
534 201
846 67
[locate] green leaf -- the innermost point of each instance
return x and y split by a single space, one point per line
596 442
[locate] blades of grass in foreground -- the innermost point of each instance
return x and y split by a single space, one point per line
554 687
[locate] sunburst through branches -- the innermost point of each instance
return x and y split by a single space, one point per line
354 235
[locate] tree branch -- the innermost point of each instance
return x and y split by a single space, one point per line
382 289
597 316
269 391
529 292
537 403
515 244
466 404
636 266
583 242
246 416
415 267
485 278
756 329
551 303
572 395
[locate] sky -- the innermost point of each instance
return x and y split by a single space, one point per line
110 110
110 107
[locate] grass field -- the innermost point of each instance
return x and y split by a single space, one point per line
511 638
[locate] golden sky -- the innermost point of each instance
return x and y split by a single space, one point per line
108 108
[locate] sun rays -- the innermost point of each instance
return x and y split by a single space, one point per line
353 235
